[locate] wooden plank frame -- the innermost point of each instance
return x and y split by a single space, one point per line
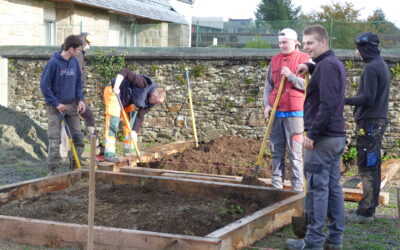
279 207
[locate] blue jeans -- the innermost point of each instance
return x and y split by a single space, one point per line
324 197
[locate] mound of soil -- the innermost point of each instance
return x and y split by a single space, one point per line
21 139
133 207
226 155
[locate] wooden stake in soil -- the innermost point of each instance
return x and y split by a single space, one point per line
92 179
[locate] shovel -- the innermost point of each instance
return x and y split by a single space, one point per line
191 107
74 153
299 223
252 180
127 124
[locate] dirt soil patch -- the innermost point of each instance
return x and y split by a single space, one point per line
127 206
226 155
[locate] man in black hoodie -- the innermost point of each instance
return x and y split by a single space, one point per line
370 112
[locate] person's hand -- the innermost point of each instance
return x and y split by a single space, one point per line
116 90
266 111
302 69
308 143
61 108
286 71
81 107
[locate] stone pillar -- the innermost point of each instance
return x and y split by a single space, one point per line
4 81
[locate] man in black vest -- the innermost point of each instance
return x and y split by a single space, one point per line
137 93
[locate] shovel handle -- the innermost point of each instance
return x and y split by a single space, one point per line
191 108
270 121
125 119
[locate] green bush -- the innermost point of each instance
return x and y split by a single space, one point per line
257 43
107 64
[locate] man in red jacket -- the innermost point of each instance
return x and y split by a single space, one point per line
287 128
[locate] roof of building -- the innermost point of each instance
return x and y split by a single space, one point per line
160 10
211 22
187 1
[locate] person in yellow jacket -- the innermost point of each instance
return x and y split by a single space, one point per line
137 93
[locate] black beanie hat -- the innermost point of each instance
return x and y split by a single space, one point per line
367 38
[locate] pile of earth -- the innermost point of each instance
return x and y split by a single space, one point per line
22 141
226 155
134 207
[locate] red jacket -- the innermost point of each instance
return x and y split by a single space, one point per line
292 99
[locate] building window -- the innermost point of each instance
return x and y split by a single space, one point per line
50 32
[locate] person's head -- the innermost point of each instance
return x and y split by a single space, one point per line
158 96
287 41
87 39
315 40
73 45
367 45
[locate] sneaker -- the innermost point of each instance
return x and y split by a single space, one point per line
112 159
358 218
331 246
292 244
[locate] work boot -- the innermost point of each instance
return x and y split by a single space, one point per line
101 149
292 244
112 159
331 246
358 218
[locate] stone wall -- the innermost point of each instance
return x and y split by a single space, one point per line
227 88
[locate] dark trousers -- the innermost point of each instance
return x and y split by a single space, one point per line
369 140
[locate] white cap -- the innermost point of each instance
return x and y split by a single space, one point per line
289 34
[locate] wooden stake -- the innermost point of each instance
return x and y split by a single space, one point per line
91 191
398 200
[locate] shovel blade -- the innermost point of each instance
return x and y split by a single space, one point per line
299 226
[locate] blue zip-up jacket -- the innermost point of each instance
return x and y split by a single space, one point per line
324 104
61 81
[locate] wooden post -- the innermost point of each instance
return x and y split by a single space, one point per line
92 179
398 200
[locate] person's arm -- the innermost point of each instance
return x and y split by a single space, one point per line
48 76
329 97
139 119
298 82
368 95
268 87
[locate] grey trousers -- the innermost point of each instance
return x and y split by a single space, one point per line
88 118
324 197
54 133
287 133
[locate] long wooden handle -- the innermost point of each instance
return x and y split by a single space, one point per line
92 182
191 108
126 121
270 121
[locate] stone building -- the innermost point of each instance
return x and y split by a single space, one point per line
129 23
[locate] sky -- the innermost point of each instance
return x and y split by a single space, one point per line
245 8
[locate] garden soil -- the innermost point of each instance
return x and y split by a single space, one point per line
23 147
226 155
133 207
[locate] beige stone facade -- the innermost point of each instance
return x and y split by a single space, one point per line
37 22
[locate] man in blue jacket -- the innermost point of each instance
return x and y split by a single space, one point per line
61 86
370 112
324 143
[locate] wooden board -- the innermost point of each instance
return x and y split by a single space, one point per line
279 207
352 194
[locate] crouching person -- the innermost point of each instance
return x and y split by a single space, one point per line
138 93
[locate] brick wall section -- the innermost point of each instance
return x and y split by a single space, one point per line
227 89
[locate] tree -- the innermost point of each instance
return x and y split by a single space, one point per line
378 24
276 10
336 11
